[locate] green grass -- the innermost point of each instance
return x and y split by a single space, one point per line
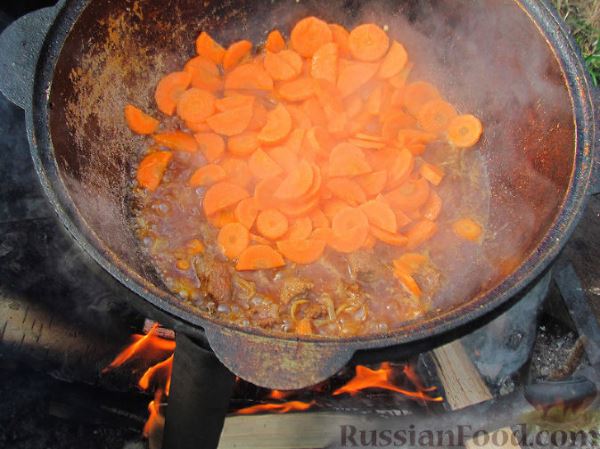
583 17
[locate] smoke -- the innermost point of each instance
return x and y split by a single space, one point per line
486 57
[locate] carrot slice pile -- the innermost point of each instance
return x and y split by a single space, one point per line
313 145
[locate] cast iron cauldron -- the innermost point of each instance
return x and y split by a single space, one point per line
72 67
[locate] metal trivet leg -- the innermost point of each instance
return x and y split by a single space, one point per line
200 391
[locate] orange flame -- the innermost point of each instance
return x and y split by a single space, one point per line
367 378
284 407
278 394
158 374
156 420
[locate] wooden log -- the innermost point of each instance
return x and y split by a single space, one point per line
464 386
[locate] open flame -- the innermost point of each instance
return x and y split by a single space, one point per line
283 407
367 378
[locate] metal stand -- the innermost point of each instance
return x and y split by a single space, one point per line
199 396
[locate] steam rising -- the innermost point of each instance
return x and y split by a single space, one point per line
486 57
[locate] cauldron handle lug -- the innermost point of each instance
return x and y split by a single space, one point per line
283 364
595 182
20 46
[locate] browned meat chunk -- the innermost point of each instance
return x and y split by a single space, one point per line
293 287
214 277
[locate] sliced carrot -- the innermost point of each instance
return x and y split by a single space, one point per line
467 229
304 327
410 262
264 193
207 47
169 89
375 101
432 173
354 75
271 224
353 105
300 229
299 208
246 212
417 94
152 168
370 242
433 207
248 77
207 175
324 63
259 119
315 188
310 34
341 37
325 234
232 122
297 90
243 144
275 42
195 105
400 168
367 144
259 257
394 61
368 42
359 123
421 232
284 65
212 145
301 251
320 140
296 183
234 102
205 74
347 160
409 283
435 116
140 122
237 171
177 140
395 121
222 218
300 119
319 219
380 214
399 81
295 140
347 190
286 159
222 195
233 239
235 53
465 131
415 140
373 183
369 137
263 166
402 219
391 238
197 127
278 127
255 238
315 112
410 196
350 228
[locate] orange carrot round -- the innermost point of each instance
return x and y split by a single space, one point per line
420 232
465 131
296 183
284 65
263 166
237 171
380 214
301 251
177 140
207 47
169 89
433 207
278 127
432 173
231 122
410 196
341 37
394 61
222 195
234 102
271 224
248 77
195 105
417 95
373 183
368 42
436 115
324 63
275 42
140 122
350 228
264 193
347 190
246 212
390 238
310 34
152 168
205 74
300 229
235 53
297 90
207 175
243 144
212 145
233 239
468 229
353 75
259 257
347 160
